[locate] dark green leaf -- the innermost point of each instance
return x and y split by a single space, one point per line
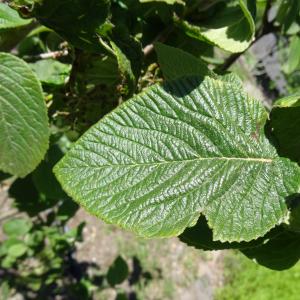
200 236
27 198
281 252
176 63
285 126
78 21
174 151
43 176
118 271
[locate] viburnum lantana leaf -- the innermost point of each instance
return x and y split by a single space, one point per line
192 146
24 128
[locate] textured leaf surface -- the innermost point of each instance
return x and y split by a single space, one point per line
23 117
9 18
231 29
192 146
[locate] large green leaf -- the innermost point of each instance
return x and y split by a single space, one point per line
78 21
9 18
24 129
232 28
191 146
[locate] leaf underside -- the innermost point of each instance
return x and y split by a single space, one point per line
192 146
24 129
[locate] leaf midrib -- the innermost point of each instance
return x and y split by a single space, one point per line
247 159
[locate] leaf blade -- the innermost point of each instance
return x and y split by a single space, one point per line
173 152
24 129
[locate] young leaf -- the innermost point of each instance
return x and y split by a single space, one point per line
191 146
24 129
231 28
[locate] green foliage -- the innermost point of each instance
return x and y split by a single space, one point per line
77 21
190 154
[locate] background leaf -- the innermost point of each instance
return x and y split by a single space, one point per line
9 18
78 21
231 28
285 126
280 253
17 227
176 63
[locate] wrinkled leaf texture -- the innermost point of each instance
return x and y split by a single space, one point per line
192 146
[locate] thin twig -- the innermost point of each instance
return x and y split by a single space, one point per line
161 37
47 55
